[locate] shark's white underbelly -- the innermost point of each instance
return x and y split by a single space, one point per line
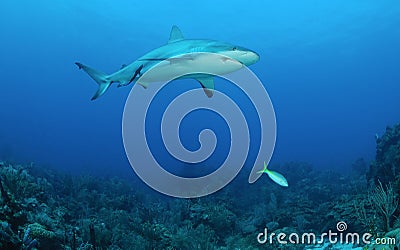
188 66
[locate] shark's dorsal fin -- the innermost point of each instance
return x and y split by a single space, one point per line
176 35
208 85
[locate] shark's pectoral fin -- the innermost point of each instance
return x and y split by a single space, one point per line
143 84
175 35
208 85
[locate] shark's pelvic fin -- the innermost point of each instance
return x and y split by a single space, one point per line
137 73
208 85
175 35
100 77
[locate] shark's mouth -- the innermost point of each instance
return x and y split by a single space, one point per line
229 59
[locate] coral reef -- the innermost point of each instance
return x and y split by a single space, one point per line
386 167
45 209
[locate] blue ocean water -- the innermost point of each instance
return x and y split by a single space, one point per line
331 70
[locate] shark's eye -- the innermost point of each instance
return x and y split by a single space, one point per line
234 48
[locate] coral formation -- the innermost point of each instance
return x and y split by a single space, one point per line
44 209
386 167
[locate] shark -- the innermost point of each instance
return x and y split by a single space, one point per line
179 54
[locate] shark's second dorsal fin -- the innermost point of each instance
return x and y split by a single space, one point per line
176 35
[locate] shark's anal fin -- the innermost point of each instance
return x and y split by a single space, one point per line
175 35
208 85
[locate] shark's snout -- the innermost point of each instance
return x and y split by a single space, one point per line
252 57
247 57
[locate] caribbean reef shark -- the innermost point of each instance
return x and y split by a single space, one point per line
182 54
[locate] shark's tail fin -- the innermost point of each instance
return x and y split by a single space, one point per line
101 78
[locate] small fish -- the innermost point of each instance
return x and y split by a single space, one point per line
275 176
